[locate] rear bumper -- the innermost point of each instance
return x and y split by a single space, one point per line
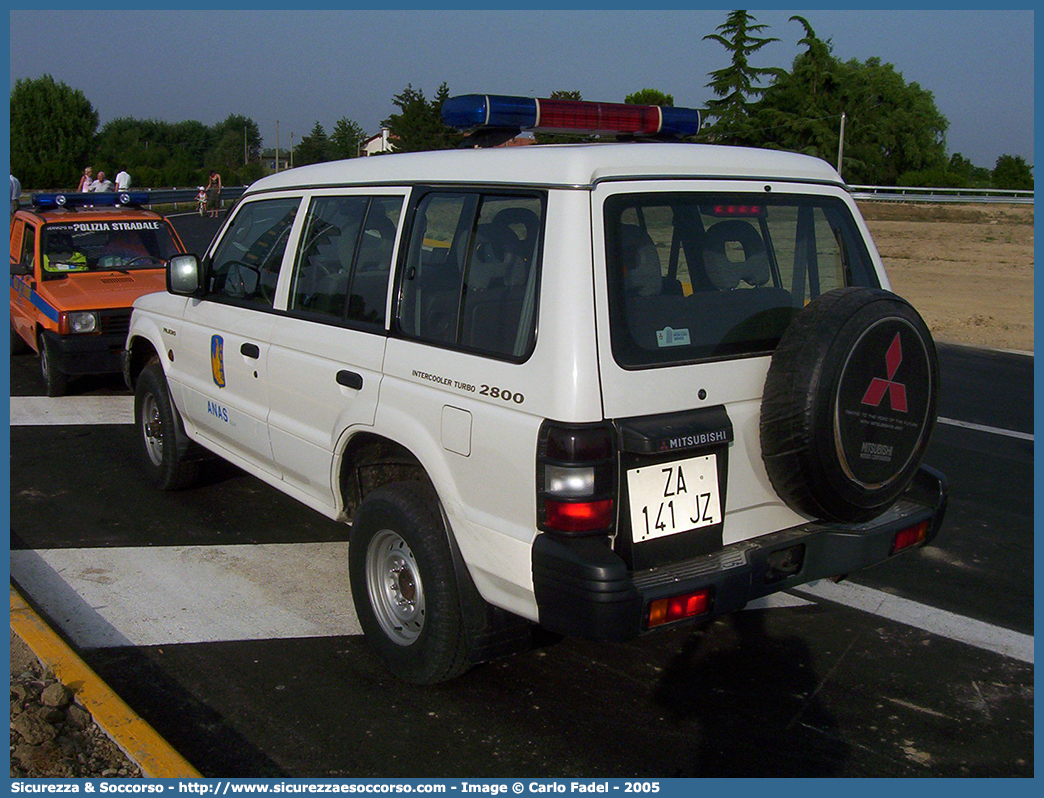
583 589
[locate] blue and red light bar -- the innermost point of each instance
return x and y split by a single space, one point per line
99 200
473 111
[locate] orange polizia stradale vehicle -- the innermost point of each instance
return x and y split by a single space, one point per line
78 262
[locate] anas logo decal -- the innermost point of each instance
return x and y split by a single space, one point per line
217 360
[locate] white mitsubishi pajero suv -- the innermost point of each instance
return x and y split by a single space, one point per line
598 387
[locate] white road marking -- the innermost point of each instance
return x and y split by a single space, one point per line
1022 436
191 594
71 410
776 601
157 595
937 622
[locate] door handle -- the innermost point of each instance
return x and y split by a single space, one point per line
250 350
349 379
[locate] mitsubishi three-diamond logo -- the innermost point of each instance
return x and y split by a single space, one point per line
896 391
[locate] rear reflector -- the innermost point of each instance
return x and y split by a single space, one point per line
675 608
910 536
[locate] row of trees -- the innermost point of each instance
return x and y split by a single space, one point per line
53 137
893 134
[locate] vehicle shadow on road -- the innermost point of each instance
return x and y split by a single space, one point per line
718 679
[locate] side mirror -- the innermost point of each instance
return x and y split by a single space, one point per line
19 268
183 275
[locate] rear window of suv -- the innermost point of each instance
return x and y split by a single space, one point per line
696 276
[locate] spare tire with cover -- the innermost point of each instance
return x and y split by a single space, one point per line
849 404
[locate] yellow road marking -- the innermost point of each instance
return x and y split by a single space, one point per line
136 738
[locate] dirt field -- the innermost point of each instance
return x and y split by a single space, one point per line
968 269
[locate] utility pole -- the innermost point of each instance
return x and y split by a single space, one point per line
244 146
841 143
291 149
277 145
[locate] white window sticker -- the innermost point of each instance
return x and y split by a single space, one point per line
668 336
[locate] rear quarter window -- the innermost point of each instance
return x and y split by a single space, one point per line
696 276
472 272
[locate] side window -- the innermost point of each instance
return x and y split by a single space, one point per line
368 292
245 267
471 275
324 263
345 259
28 254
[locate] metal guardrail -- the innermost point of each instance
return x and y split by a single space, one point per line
172 196
878 193
942 195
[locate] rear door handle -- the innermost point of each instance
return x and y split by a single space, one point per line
250 350
349 379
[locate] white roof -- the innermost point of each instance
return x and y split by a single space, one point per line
565 165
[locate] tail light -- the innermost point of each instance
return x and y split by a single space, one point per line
576 479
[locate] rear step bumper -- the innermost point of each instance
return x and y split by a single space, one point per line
583 589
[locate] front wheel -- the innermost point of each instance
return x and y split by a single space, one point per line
403 584
158 426
55 381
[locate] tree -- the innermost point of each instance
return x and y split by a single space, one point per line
155 153
958 173
737 86
418 126
314 148
801 110
52 132
1012 172
226 150
649 97
892 127
347 138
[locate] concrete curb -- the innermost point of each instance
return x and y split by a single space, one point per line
136 738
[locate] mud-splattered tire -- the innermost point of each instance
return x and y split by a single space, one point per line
403 584
163 442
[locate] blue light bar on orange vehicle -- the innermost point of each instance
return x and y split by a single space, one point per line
99 200
473 111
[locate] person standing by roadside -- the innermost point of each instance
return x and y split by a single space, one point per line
214 193
85 180
16 193
101 184
123 180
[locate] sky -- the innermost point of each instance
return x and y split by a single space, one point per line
288 70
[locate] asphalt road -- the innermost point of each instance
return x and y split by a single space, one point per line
218 614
